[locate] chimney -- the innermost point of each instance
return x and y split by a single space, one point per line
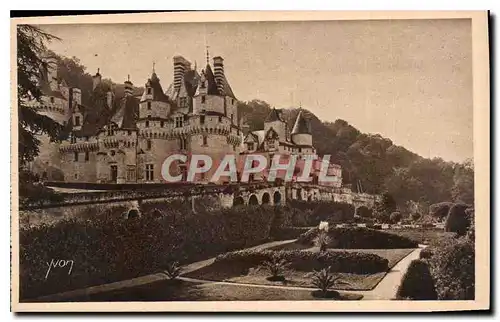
96 79
129 87
219 73
181 65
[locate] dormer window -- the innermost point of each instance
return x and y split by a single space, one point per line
77 120
149 105
110 130
179 120
72 138
202 119
183 102
250 145
149 90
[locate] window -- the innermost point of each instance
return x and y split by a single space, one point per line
112 153
250 146
149 172
204 140
77 120
129 132
149 90
149 144
183 144
72 138
86 139
220 119
130 173
179 121
147 124
86 155
111 130
231 118
232 101
149 105
300 150
162 124
183 102
52 100
76 156
203 99
202 119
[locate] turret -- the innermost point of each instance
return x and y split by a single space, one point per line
96 79
301 132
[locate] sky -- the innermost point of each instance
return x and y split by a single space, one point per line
408 80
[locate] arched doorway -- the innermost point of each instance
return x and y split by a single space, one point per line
277 198
253 201
266 198
238 201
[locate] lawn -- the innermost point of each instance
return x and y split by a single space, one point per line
427 236
193 291
242 274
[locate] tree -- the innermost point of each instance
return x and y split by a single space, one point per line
364 212
463 183
31 46
415 216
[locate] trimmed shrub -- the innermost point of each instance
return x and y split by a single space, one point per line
440 210
453 269
417 283
426 253
359 237
457 220
364 212
302 260
395 217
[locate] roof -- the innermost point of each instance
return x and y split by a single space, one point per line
301 125
158 94
274 115
127 113
97 116
211 84
45 87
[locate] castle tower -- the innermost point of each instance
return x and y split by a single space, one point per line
96 80
301 132
275 121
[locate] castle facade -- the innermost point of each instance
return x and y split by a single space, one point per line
126 140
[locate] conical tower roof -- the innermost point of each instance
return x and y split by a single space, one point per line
301 125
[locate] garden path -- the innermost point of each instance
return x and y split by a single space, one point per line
386 289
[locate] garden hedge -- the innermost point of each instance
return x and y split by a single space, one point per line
109 248
302 260
359 237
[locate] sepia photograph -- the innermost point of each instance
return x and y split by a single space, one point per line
239 161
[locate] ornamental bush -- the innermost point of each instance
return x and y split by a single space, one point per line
302 260
457 220
359 237
453 269
417 283
440 210
364 212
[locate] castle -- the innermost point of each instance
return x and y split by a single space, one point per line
126 140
